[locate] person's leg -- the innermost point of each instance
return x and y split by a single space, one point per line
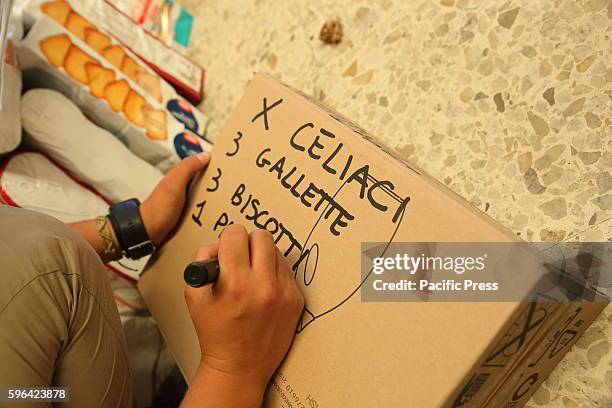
58 321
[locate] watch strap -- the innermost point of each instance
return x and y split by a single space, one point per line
129 229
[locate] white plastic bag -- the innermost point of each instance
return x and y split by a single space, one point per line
56 127
32 181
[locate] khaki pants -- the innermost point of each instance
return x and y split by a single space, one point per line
59 324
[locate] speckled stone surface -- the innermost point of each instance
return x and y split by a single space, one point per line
507 102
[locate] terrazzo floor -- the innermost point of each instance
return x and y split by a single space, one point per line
506 102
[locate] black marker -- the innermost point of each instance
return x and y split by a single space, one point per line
200 273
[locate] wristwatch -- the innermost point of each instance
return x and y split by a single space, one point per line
129 229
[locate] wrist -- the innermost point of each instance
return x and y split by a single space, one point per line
129 227
146 213
110 249
230 388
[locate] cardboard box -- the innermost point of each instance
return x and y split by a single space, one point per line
54 57
564 329
322 186
184 74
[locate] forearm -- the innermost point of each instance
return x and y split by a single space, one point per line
89 231
159 212
215 389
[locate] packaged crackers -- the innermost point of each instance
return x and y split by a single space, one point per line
184 74
66 52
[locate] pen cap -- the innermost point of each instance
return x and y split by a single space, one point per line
200 273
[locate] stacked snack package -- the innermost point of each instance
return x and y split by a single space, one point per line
80 168
169 21
10 81
65 51
184 74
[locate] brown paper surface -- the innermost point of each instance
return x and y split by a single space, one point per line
322 186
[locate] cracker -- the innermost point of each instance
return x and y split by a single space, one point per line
56 48
150 83
133 108
96 39
77 25
75 62
57 10
115 94
114 54
99 78
130 67
155 122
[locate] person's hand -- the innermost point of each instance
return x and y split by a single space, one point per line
246 321
162 209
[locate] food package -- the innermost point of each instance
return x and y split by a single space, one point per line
55 126
170 22
58 57
185 75
32 181
10 82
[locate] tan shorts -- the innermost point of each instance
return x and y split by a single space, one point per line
58 321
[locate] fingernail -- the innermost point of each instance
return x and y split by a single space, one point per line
204 157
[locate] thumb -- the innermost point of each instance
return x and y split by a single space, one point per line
183 172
